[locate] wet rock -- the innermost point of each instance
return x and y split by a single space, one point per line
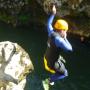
15 64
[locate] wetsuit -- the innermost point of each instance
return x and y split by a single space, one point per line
55 45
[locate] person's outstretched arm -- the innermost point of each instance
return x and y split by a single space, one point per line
50 21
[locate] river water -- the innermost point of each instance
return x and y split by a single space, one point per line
33 40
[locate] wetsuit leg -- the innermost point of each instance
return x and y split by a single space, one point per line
58 76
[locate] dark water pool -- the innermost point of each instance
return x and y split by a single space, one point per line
33 40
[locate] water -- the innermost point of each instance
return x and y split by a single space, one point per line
33 40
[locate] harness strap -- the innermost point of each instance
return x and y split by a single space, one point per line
47 67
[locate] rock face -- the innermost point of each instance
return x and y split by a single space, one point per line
15 64
26 12
65 7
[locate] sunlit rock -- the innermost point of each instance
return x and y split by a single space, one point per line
15 64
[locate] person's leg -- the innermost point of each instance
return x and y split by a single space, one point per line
61 71
53 78
58 76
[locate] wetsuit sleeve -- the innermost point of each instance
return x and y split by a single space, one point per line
49 25
63 43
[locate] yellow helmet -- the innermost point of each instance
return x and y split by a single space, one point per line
61 24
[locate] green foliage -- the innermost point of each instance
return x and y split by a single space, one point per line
23 18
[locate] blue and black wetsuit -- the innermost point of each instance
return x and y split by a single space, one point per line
55 45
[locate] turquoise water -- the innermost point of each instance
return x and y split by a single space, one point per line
33 40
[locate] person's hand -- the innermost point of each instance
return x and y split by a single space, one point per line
54 9
65 35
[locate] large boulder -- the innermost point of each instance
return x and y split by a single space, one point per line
15 64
